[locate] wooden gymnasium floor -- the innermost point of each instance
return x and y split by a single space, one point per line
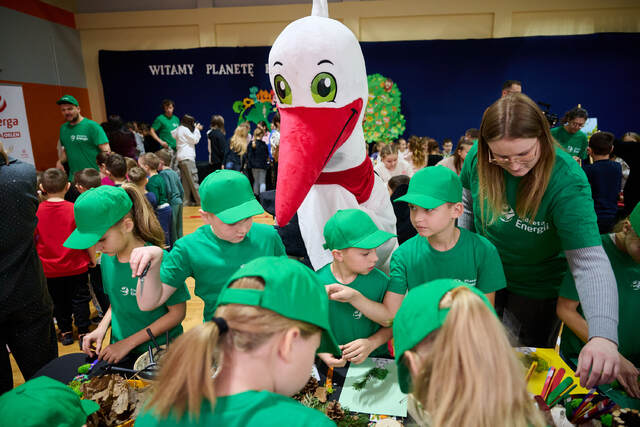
191 221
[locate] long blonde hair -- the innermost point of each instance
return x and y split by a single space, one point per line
470 374
146 226
418 154
238 142
514 116
186 370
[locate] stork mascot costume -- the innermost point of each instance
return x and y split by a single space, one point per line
318 74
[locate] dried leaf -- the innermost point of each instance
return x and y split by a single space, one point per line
321 394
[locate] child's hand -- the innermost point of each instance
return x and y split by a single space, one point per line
331 361
199 126
628 377
92 342
115 352
140 257
357 351
341 293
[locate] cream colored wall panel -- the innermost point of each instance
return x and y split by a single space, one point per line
248 34
426 27
575 22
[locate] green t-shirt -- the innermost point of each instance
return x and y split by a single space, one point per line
163 126
81 143
575 143
126 316
347 322
250 408
157 186
211 261
532 252
473 260
627 273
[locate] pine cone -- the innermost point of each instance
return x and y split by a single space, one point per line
309 388
334 411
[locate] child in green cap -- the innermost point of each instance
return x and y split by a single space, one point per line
353 283
117 220
454 357
440 249
228 240
239 367
43 401
623 250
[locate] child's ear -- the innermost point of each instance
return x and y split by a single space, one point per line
42 189
412 360
286 343
66 188
457 210
337 255
128 224
589 152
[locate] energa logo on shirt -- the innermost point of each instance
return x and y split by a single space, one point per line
357 314
635 285
507 213
126 291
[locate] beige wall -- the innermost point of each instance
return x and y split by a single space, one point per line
370 20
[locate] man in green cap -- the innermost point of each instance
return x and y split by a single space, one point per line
43 401
353 284
441 250
81 139
228 240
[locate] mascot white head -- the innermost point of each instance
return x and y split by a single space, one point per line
317 71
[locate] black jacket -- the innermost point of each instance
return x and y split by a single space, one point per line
258 156
217 146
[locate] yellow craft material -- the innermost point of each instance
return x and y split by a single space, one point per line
536 381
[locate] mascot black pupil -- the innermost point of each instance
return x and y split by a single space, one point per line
324 87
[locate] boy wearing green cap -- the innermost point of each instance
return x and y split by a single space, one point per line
228 240
81 139
353 283
440 249
117 220
43 401
240 367
623 250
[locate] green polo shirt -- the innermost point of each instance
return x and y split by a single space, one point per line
532 252
575 143
80 142
211 261
347 322
627 273
126 316
163 126
473 260
157 186
247 409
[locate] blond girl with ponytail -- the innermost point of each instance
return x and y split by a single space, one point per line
238 368
454 357
117 220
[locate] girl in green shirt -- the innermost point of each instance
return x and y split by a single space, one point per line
455 360
239 368
118 220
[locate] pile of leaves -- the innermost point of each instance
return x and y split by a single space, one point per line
315 397
119 401
528 358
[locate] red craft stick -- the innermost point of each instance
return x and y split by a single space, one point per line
555 380
547 382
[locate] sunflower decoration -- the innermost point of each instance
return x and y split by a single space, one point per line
383 119
255 108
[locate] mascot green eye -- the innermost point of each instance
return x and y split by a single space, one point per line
282 89
324 88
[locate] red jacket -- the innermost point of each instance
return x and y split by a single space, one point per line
55 224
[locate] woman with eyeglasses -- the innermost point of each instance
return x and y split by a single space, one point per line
569 135
533 202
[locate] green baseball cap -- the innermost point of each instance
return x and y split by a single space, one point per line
291 289
95 211
228 195
634 219
43 401
68 99
353 228
418 316
433 186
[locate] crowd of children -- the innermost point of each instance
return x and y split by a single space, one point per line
266 317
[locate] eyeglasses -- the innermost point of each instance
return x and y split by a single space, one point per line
521 159
577 125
